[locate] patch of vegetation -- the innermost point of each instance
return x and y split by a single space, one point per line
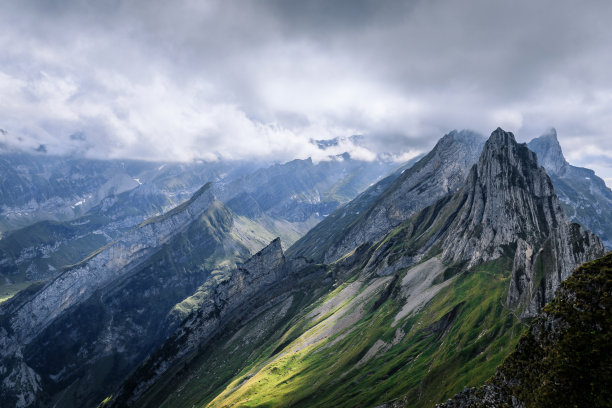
457 340
566 357
7 291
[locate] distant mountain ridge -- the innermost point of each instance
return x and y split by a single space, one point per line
584 197
160 266
282 200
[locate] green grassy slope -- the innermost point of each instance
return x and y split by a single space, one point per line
351 353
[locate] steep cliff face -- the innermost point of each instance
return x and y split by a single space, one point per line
507 207
536 276
585 198
565 357
61 338
439 173
254 287
506 197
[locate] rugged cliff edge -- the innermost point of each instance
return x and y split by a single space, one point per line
507 207
261 283
565 359
510 202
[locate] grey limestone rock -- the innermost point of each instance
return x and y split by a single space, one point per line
509 205
237 293
439 173
27 316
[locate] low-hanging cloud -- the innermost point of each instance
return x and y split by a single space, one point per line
226 79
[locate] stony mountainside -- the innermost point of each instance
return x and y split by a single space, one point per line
565 358
506 207
417 315
585 197
60 338
250 289
385 205
283 200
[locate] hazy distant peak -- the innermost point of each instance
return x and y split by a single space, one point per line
463 135
549 152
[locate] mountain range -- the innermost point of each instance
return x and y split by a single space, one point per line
281 200
420 285
436 297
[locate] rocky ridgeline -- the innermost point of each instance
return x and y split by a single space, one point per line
240 294
80 281
506 197
507 207
439 173
26 316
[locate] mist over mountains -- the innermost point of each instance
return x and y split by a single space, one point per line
313 203
385 277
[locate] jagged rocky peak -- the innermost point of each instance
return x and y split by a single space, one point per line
269 258
507 196
549 152
508 207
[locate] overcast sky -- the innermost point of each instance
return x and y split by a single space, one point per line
183 80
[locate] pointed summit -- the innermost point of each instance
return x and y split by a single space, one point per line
508 205
267 259
549 152
507 196
506 208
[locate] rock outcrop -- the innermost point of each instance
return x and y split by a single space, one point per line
510 205
506 197
507 207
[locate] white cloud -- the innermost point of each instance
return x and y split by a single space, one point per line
202 80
